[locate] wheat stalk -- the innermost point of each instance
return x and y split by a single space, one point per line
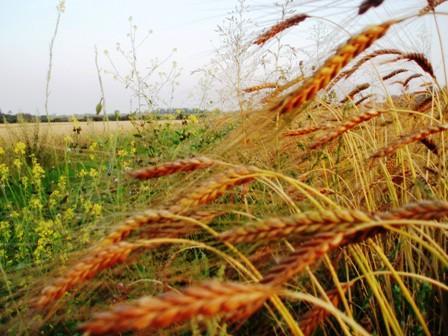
205 300
170 168
279 27
345 127
408 139
352 48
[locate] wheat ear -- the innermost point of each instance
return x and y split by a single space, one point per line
206 300
345 127
408 139
422 61
358 89
306 223
84 270
306 130
363 99
351 232
279 27
393 74
316 316
352 48
410 78
138 221
431 6
260 87
364 59
368 4
170 168
215 187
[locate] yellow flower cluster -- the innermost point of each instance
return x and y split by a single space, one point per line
37 173
20 148
92 149
4 173
47 234
5 236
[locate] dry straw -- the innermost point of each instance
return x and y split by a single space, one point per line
279 27
322 77
205 300
408 139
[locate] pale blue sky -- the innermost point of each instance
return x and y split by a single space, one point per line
26 27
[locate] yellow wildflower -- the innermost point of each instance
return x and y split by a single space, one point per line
93 172
69 214
20 148
82 172
18 163
193 119
37 173
92 149
122 153
96 209
4 173
35 203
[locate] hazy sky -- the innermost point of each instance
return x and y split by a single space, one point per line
26 27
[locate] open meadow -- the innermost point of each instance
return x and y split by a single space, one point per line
318 206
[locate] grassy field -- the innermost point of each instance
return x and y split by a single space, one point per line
57 131
304 214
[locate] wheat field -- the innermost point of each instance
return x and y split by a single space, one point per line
311 212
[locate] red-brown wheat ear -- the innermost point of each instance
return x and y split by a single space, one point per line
170 168
332 66
206 300
368 4
279 27
408 139
317 315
